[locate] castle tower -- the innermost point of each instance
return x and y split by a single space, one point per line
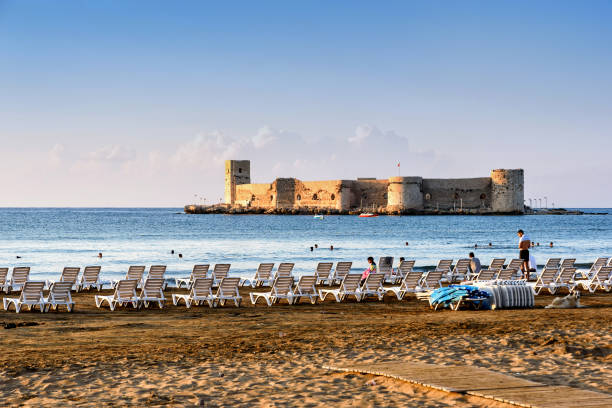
507 190
405 193
236 172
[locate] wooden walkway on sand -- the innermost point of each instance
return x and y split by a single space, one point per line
483 383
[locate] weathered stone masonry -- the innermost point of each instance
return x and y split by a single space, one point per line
500 193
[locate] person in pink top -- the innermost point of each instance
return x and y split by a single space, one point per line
371 268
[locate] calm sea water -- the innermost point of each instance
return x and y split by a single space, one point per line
47 239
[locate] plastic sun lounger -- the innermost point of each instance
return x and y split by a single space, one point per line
306 288
59 295
200 291
323 271
281 289
153 291
228 290
487 274
284 270
507 274
135 272
198 272
90 278
515 263
31 296
342 269
600 280
404 268
3 275
125 293
69 274
373 286
263 276
568 263
19 277
385 266
444 265
410 283
432 280
599 262
220 271
497 263
461 270
545 281
565 279
348 287
553 263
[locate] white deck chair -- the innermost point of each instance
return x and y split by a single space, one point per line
220 271
507 274
545 280
373 286
284 270
262 277
444 265
410 283
348 287
323 271
565 279
135 272
461 271
487 274
31 296
385 266
432 280
157 272
200 291
568 263
515 264
125 293
69 274
59 294
19 277
281 289
403 268
90 278
198 272
599 262
553 263
600 280
153 291
228 290
497 263
342 269
3 275
306 288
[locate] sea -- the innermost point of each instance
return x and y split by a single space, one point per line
48 239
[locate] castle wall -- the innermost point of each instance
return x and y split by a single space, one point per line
237 172
321 194
369 193
405 193
508 190
444 194
256 195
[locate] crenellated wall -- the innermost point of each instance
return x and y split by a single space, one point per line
500 193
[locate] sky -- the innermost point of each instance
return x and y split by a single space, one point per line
138 103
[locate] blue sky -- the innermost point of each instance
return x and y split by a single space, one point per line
138 103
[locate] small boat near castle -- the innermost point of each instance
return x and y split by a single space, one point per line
367 215
318 217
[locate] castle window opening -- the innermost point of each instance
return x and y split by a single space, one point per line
253 197
299 197
239 169
333 196
483 196
271 198
385 196
428 196
314 196
456 196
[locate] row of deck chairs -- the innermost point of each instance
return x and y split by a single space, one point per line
21 275
32 295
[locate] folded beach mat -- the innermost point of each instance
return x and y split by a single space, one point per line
446 296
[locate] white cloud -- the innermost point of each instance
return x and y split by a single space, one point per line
111 154
204 150
55 155
264 136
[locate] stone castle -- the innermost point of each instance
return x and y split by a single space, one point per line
501 193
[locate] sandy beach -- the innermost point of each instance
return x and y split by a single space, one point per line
272 356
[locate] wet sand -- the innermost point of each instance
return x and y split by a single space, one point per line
272 356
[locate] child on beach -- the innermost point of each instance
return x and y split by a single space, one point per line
371 268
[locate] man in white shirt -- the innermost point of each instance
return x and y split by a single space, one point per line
524 245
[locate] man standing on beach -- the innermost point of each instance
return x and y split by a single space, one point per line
524 244
474 265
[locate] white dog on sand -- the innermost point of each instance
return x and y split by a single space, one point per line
571 301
